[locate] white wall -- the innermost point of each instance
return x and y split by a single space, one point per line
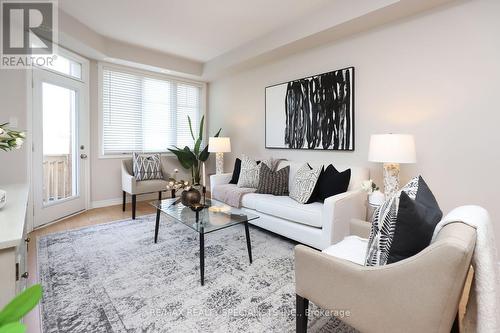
436 75
14 103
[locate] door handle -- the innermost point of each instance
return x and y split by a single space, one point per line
83 156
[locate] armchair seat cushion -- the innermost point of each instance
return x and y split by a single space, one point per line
147 186
286 208
352 248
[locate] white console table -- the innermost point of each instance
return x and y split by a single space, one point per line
13 273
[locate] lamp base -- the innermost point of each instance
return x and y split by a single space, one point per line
219 163
391 179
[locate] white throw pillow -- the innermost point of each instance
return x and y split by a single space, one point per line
304 182
249 174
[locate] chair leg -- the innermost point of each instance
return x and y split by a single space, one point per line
134 201
302 304
124 198
456 325
159 195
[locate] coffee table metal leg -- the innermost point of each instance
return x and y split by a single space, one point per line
249 244
202 258
157 225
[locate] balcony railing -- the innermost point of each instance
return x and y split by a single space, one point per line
57 177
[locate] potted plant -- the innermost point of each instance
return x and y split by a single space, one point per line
193 159
9 140
375 197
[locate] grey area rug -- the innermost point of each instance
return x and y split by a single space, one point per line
113 278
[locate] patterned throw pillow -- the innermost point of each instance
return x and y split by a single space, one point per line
384 225
249 173
304 183
147 167
273 182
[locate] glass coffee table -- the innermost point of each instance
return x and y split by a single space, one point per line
204 221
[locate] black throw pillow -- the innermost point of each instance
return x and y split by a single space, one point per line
415 223
314 194
331 182
236 172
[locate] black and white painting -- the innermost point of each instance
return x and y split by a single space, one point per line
315 112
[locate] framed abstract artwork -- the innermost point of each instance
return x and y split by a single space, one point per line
315 112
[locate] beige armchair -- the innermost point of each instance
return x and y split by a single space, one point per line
134 187
418 294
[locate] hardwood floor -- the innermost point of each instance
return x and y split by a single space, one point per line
87 218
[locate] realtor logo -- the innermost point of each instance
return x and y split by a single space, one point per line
28 33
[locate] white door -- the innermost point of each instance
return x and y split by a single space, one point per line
60 146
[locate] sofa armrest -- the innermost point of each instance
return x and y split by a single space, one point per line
223 178
128 181
338 210
419 294
360 228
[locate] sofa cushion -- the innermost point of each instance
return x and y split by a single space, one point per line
236 172
273 182
148 186
249 173
304 183
330 182
289 209
358 174
249 200
352 248
416 223
147 167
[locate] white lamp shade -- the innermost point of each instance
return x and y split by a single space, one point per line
392 148
219 145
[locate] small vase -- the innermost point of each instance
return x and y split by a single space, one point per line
376 198
190 197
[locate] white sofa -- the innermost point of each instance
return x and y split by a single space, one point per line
317 224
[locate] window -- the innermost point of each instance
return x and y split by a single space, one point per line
142 113
66 66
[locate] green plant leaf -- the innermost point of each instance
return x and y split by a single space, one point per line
13 328
183 157
200 137
204 153
191 127
21 305
191 156
197 147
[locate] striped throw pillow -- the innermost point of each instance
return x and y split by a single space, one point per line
273 182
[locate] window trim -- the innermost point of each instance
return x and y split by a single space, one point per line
100 68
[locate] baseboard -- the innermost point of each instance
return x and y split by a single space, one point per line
106 203
118 201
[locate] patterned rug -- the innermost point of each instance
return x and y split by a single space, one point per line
113 278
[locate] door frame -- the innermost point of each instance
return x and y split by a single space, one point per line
83 126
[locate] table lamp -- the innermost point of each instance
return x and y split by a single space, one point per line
219 146
392 149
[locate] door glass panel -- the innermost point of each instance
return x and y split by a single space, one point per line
60 179
65 66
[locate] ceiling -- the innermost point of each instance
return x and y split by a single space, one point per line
195 29
210 38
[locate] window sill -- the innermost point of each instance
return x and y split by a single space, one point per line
122 156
